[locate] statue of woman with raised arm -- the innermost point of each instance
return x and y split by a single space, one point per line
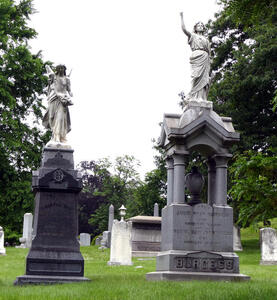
199 60
57 115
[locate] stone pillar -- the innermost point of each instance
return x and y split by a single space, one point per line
111 217
156 210
211 181
179 179
170 180
220 191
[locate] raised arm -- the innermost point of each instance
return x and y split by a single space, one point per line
183 26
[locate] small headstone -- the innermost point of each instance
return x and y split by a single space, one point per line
236 239
2 249
268 242
98 241
106 240
26 239
84 239
156 210
121 247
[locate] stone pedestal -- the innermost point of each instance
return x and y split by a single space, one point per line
55 255
197 243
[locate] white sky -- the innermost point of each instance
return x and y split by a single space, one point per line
129 61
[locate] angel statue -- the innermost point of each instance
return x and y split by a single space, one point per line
57 115
199 60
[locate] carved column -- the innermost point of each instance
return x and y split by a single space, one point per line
221 162
211 180
170 179
179 179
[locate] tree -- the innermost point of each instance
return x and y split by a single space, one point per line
255 186
21 84
153 189
244 43
105 183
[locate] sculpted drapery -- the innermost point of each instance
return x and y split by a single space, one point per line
200 62
57 116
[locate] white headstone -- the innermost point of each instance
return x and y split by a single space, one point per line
268 242
121 244
236 239
2 249
26 239
84 239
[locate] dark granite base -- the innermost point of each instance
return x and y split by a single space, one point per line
37 279
188 276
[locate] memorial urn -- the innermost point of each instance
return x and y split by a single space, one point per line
194 182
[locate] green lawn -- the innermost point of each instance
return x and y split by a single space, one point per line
129 282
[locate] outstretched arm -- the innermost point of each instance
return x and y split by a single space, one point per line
184 27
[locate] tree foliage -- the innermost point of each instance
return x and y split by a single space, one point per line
21 84
255 186
244 44
105 183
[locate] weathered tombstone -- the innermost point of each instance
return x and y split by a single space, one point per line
121 248
26 239
84 239
268 242
98 241
146 235
106 235
236 239
55 255
2 248
156 210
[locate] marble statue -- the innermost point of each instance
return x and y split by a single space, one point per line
57 116
199 60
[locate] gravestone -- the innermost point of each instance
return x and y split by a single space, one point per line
2 248
146 235
55 255
106 235
26 239
121 247
98 241
84 239
268 243
236 239
156 210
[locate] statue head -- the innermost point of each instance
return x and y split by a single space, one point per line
199 27
61 70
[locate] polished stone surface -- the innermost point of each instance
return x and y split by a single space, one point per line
55 249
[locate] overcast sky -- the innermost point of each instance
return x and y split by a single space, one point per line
129 61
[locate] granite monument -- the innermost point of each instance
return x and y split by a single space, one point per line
55 256
197 237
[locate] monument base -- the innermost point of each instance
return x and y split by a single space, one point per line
188 276
145 253
39 279
268 262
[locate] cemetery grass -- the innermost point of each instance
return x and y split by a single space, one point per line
128 282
